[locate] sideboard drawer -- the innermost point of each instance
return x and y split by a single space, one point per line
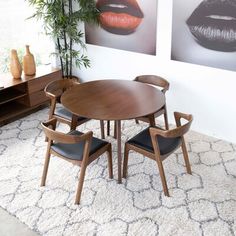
40 83
37 98
19 97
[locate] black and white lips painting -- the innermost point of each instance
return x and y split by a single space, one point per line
213 24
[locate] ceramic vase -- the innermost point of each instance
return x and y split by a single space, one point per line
15 66
28 62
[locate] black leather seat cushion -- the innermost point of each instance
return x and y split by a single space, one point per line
143 140
62 112
75 151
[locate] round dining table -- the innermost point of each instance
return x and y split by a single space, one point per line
114 100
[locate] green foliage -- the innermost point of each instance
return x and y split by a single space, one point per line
61 19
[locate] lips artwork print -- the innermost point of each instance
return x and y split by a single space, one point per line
204 32
125 24
213 23
120 17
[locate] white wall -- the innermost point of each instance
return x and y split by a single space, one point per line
208 93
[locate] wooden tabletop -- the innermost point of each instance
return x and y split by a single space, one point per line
113 99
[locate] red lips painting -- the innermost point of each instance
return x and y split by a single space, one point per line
125 24
120 17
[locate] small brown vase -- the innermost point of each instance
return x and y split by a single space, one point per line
15 66
28 62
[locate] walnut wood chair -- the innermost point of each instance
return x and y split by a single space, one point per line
156 81
159 82
76 147
54 90
158 144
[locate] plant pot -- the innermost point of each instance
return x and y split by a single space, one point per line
74 78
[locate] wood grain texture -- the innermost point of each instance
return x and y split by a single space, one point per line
19 96
7 80
113 99
54 136
156 155
161 83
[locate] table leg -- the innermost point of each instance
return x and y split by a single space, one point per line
74 122
119 158
152 120
102 129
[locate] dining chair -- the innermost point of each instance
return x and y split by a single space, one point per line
159 82
76 147
157 144
54 90
156 81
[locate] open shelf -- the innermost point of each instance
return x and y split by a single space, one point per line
10 95
12 109
22 96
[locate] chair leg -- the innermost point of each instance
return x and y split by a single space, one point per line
102 129
185 154
108 128
109 156
45 168
81 182
136 121
162 175
125 164
166 119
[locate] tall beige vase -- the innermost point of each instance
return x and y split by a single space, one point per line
15 66
28 62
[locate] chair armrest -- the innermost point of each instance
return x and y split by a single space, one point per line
154 80
172 133
166 86
165 89
179 115
155 131
83 137
50 123
50 95
49 128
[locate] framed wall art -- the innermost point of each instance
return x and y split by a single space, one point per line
125 24
204 32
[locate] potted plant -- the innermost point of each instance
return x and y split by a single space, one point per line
61 19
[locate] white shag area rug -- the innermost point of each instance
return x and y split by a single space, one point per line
200 204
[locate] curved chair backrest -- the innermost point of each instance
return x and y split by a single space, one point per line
51 134
181 129
163 144
177 132
154 80
57 87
